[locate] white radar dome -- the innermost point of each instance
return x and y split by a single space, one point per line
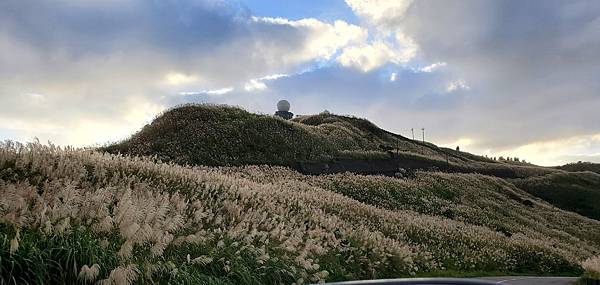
283 106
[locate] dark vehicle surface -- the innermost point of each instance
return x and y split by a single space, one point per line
421 281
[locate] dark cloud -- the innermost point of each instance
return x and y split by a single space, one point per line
110 61
533 64
518 72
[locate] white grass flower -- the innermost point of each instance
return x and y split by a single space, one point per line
14 243
64 226
124 275
129 231
259 210
88 274
125 251
105 225
592 267
202 260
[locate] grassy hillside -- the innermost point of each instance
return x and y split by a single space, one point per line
225 136
219 135
79 215
581 166
573 191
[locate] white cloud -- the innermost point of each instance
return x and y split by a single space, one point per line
557 152
323 39
221 91
386 44
432 67
213 92
274 76
176 78
259 83
370 56
380 13
96 56
457 85
522 70
254 84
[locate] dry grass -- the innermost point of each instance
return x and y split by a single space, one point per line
64 211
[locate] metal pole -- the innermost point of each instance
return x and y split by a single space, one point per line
423 147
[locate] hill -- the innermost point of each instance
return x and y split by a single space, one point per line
573 191
223 135
76 215
581 166
214 135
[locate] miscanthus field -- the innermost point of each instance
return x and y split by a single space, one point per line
81 216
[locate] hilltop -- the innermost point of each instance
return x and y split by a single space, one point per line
222 135
214 135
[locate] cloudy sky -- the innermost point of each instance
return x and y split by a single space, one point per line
497 77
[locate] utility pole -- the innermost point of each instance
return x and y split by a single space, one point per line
423 146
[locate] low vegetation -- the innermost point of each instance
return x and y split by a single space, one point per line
592 268
70 215
573 191
581 166
183 201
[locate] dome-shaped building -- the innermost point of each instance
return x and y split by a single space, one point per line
283 110
283 105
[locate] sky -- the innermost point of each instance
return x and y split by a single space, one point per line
497 78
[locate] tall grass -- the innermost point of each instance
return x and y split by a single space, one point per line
70 215
592 268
